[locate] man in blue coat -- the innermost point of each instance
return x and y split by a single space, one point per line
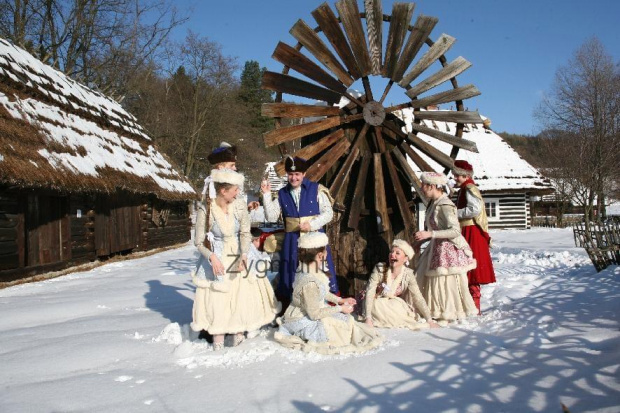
305 206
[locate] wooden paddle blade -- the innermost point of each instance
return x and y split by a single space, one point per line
358 196
429 150
290 133
452 95
415 158
293 58
310 151
311 41
455 68
442 45
341 176
295 110
350 16
403 204
374 24
422 28
445 137
409 173
449 116
383 219
325 162
328 22
399 23
293 86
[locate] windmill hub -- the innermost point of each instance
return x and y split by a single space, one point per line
374 113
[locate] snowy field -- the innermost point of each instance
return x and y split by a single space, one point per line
115 339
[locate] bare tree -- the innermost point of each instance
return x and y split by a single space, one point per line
582 115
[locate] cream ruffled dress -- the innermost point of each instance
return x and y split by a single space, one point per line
240 301
395 302
310 324
442 269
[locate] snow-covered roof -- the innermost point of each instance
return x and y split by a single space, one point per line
497 166
58 133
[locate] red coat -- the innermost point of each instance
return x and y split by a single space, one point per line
477 238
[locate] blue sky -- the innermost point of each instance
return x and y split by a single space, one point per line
515 46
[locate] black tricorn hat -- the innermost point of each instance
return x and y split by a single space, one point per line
223 153
296 164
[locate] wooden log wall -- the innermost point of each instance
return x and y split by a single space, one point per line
82 218
11 232
514 210
172 228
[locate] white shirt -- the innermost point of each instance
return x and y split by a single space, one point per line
326 213
473 208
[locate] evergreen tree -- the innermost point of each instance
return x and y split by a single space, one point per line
252 96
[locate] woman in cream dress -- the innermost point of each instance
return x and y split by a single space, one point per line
229 298
393 298
309 323
442 269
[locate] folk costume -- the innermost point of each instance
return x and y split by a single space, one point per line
310 324
443 265
311 203
475 228
236 301
395 301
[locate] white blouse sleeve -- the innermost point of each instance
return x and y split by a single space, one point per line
271 208
473 208
326 213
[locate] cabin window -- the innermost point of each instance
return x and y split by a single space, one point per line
491 205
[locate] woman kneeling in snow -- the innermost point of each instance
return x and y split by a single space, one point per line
310 324
393 298
442 269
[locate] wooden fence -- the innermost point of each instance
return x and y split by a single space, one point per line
602 242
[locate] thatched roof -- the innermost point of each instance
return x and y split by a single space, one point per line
59 134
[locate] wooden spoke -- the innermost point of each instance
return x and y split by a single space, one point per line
328 22
325 162
449 116
422 28
311 41
439 48
409 173
399 23
445 137
367 89
415 158
293 86
353 99
385 92
452 95
429 150
456 67
383 219
295 110
338 182
290 133
350 16
310 151
293 58
374 24
358 195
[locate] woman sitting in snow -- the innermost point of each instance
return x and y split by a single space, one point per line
228 299
442 269
309 323
393 298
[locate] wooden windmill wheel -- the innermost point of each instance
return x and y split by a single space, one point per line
359 150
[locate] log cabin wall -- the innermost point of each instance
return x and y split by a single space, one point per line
165 223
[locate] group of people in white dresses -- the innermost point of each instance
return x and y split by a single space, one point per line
234 297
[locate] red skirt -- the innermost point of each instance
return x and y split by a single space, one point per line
478 240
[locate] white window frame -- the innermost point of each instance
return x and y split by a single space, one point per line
491 201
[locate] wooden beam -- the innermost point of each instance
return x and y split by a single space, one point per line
341 176
293 58
452 95
328 22
416 159
453 69
296 110
442 45
399 23
358 196
293 86
410 173
445 137
383 221
290 133
310 151
350 16
325 162
449 116
311 41
429 150
422 28
374 24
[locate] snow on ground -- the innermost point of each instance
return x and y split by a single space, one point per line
116 338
